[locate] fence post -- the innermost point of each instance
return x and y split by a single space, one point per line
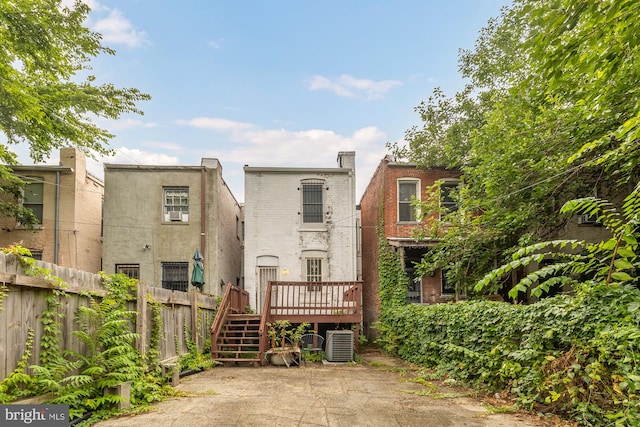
193 298
141 320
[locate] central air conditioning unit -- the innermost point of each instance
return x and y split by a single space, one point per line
175 216
339 346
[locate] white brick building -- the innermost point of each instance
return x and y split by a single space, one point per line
300 225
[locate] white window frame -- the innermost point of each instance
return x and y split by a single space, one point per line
180 193
418 185
315 267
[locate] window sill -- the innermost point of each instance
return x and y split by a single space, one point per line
175 222
35 227
307 228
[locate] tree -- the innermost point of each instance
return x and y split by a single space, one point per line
551 113
44 102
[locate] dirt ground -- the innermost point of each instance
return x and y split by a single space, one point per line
378 391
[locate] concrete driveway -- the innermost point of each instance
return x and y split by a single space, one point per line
376 392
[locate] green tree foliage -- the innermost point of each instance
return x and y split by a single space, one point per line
551 113
575 262
48 98
575 355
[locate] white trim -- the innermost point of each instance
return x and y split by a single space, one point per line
418 195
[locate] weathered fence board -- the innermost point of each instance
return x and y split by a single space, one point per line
26 301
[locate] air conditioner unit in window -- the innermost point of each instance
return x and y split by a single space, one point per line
339 346
587 219
175 216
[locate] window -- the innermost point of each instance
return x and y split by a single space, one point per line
130 270
314 269
175 276
447 288
312 201
36 254
33 197
407 192
176 204
446 200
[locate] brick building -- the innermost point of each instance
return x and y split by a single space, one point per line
67 201
390 191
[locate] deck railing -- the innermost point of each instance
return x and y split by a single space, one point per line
235 300
313 298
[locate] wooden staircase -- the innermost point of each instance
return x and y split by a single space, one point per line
239 340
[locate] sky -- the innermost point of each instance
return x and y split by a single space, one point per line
277 83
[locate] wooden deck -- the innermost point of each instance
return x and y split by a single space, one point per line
298 302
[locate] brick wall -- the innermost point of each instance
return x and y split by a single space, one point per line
382 193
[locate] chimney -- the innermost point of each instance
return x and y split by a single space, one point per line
347 160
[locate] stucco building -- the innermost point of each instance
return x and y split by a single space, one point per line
156 217
68 204
386 206
300 225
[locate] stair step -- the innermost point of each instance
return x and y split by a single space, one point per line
239 340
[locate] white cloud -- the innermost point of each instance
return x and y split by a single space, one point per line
321 82
130 156
162 145
117 29
217 124
347 85
304 148
126 155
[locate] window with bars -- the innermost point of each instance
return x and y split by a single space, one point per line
130 270
33 197
36 254
176 204
312 204
407 193
313 270
175 276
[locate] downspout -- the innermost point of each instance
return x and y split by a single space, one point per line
56 228
203 214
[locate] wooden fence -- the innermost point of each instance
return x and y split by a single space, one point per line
26 300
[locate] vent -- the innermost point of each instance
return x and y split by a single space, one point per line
175 216
339 346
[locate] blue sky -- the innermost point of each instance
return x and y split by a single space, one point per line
278 83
